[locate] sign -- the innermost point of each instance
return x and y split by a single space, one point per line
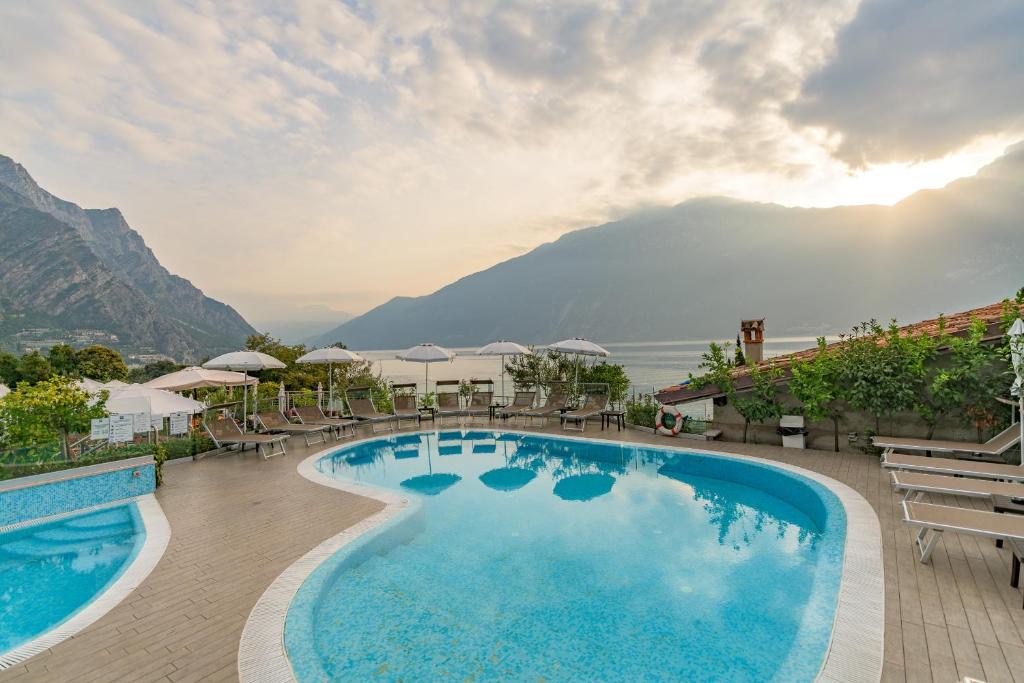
157 423
141 421
121 428
179 423
100 429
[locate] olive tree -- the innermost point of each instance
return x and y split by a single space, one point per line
815 383
49 409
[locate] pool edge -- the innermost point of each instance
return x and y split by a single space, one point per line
158 535
856 643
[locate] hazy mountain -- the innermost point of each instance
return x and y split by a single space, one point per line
694 270
75 274
302 324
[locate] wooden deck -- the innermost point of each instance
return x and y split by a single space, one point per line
237 522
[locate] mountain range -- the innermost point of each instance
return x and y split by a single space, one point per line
84 275
694 270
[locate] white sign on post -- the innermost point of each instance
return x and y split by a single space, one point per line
179 424
141 422
100 429
157 423
121 428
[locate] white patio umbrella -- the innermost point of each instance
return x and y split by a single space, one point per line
578 346
245 362
4 390
503 348
1016 333
199 378
329 356
161 403
93 386
426 353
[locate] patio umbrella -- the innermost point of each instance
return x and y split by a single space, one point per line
199 378
161 403
1016 333
503 348
426 353
584 487
246 362
329 356
578 346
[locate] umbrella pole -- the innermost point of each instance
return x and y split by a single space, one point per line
503 377
426 378
330 388
245 401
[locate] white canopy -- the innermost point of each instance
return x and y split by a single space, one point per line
579 346
93 386
503 348
199 378
330 355
4 390
426 353
161 403
244 361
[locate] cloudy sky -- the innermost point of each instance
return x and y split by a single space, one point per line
319 152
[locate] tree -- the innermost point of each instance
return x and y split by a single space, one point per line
33 367
717 369
815 383
8 369
62 360
739 359
612 374
539 369
101 364
759 404
152 371
48 409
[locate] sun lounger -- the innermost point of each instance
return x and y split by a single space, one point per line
522 401
225 432
449 403
996 446
274 421
595 402
313 415
360 404
917 484
557 400
480 401
949 466
934 519
404 404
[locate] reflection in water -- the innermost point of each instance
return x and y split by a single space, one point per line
584 487
507 478
432 484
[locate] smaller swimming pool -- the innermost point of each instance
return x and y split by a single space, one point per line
50 572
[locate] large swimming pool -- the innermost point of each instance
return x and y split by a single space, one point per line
541 558
50 571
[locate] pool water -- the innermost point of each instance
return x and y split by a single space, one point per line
548 559
49 571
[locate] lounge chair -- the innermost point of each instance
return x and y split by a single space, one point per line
939 518
274 421
480 401
522 401
313 415
949 466
917 484
449 403
224 432
404 404
996 446
360 404
595 403
557 400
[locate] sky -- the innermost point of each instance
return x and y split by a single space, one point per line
321 153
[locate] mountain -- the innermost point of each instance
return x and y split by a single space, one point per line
73 274
694 270
301 324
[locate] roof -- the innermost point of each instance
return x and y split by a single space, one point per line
956 324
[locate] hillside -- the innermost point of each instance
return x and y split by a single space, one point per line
694 270
71 274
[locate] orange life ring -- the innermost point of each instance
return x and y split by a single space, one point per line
669 421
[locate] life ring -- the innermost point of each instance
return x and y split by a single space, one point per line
669 421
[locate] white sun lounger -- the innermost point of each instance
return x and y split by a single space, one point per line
934 519
917 484
949 466
997 445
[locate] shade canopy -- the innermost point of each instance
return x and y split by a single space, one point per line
580 347
244 361
199 378
426 353
330 355
504 348
93 386
161 403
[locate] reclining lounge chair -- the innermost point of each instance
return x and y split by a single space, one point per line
275 422
595 402
312 415
951 467
360 404
405 404
935 519
917 484
557 400
480 401
996 446
224 432
522 401
449 403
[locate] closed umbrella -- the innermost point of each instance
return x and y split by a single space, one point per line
244 362
329 356
503 348
426 353
1016 333
578 346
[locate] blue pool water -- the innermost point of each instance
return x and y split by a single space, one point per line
50 571
547 559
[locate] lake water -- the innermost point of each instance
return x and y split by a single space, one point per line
650 365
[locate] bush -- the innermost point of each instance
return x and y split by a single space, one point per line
642 410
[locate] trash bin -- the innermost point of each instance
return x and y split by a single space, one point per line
793 432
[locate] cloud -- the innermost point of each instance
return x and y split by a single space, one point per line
919 79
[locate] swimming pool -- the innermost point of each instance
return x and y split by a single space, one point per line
535 557
59 575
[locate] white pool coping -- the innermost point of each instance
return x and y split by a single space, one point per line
857 642
158 534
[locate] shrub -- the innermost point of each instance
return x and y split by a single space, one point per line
642 410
